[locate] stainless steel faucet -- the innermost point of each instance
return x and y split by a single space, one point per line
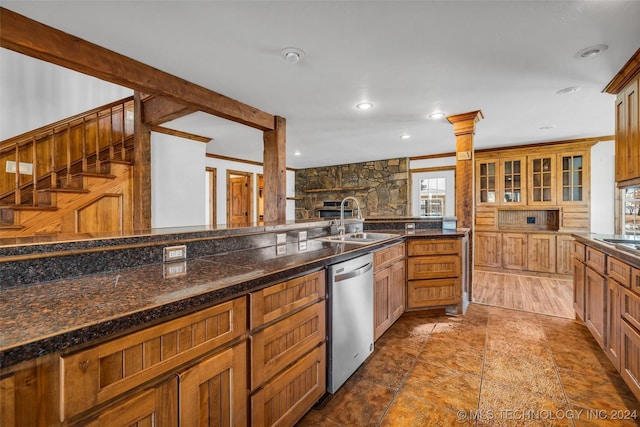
341 226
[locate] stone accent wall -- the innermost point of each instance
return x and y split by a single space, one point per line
381 187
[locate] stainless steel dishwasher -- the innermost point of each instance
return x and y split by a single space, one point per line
350 318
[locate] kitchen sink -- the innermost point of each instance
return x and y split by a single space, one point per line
614 241
363 238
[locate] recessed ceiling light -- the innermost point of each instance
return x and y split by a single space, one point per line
436 116
405 136
365 105
592 51
292 54
296 153
566 90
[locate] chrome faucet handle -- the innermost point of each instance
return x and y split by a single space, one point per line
341 230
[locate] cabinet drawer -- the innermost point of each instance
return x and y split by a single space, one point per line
579 250
433 267
430 293
433 246
630 307
595 259
388 256
286 398
619 271
276 301
98 374
281 343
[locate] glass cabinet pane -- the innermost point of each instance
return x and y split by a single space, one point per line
512 181
541 179
487 181
572 178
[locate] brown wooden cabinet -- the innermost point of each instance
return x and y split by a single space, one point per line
542 180
630 339
541 249
434 273
488 248
287 372
564 254
612 343
579 283
595 316
514 251
214 391
389 284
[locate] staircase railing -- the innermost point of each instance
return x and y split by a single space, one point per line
47 157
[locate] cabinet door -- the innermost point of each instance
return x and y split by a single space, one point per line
564 254
573 178
397 290
596 292
542 252
578 287
434 267
622 137
628 133
487 182
541 182
512 179
488 249
613 323
514 251
7 401
154 407
381 302
630 357
214 392
433 293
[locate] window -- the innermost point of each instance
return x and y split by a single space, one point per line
432 196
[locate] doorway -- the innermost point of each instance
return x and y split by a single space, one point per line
260 205
212 179
239 195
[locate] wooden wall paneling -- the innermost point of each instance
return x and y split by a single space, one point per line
275 176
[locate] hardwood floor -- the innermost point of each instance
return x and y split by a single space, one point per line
533 294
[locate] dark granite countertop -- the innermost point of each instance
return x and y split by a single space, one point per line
53 316
595 240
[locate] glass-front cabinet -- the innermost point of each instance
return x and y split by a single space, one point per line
512 181
541 182
631 211
487 182
572 178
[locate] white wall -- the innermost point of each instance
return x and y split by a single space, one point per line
37 93
433 163
603 187
178 180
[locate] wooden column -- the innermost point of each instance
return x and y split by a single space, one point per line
141 168
464 127
275 173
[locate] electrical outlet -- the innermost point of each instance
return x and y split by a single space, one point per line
281 249
302 235
281 238
174 253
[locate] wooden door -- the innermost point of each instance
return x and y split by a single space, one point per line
514 251
381 302
595 316
542 252
397 290
156 407
238 198
214 392
488 247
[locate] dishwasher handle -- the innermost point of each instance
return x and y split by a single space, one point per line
354 273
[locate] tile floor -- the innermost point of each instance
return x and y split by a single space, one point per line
491 367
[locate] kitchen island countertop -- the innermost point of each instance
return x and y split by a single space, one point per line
49 317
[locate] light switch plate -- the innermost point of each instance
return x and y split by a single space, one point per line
302 235
174 253
174 269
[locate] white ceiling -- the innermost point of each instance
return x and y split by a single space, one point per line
410 58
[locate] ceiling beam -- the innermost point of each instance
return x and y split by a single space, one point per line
157 110
180 134
40 41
